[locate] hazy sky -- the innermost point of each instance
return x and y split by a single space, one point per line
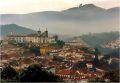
27 6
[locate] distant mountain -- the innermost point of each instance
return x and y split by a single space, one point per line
99 39
113 44
73 21
15 29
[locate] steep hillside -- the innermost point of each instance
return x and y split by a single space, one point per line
98 39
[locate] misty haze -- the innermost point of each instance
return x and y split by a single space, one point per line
84 19
70 43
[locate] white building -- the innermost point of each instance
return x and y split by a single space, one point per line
38 38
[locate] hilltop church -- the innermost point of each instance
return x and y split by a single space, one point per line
37 38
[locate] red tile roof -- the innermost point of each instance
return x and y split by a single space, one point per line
66 72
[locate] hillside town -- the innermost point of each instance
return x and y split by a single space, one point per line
73 61
71 41
114 44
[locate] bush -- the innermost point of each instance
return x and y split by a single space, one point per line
9 74
34 73
35 50
112 75
60 43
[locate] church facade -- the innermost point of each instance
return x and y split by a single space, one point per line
38 38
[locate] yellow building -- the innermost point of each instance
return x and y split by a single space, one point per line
45 50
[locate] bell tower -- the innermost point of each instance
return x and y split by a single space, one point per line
46 33
39 32
39 36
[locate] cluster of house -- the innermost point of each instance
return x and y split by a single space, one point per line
65 71
114 44
65 64
62 61
74 53
76 42
78 75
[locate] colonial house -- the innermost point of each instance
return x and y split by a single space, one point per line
77 75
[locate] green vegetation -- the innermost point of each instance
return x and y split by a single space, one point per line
114 53
60 43
9 74
96 60
33 73
35 50
82 64
96 40
112 75
97 51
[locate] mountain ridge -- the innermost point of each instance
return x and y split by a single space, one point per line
85 5
76 22
15 29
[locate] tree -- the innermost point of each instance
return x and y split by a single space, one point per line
35 49
82 64
9 74
97 52
112 75
34 73
96 60
60 43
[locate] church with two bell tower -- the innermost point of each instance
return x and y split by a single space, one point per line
38 38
